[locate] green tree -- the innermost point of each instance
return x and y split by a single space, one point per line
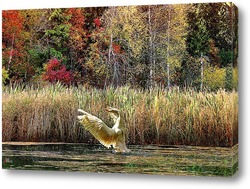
198 38
57 34
35 23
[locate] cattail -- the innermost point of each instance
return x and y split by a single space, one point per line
157 116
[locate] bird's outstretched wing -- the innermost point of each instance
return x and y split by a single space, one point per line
97 128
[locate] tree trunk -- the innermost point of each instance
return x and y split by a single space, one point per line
11 52
110 48
150 49
168 39
202 73
168 74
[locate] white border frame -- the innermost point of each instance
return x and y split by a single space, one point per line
41 179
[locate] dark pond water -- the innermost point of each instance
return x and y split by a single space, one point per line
165 160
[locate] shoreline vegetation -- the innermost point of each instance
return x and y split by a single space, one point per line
152 117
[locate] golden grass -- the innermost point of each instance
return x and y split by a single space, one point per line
158 116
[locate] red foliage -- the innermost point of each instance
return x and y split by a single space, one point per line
55 72
97 22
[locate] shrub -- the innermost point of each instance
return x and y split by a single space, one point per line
214 78
5 75
55 72
221 78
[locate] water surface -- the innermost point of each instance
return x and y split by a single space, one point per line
164 160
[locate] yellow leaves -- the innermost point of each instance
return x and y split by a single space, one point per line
126 24
215 78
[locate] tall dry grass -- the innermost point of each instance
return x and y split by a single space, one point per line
155 116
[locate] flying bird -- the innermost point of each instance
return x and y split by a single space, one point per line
107 136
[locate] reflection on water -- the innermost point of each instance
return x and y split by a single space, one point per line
165 160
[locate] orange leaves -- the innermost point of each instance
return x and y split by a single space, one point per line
117 48
77 18
12 23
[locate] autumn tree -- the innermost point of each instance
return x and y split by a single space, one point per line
165 40
172 45
143 46
222 21
13 54
95 67
213 35
78 41
35 24
117 34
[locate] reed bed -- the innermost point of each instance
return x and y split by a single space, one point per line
157 116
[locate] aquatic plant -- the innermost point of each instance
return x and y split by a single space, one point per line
157 116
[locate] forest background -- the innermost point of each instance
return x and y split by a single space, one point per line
184 45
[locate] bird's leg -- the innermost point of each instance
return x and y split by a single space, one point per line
115 147
125 148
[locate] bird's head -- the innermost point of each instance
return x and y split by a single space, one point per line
113 112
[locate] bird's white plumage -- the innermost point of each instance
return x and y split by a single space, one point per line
105 135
